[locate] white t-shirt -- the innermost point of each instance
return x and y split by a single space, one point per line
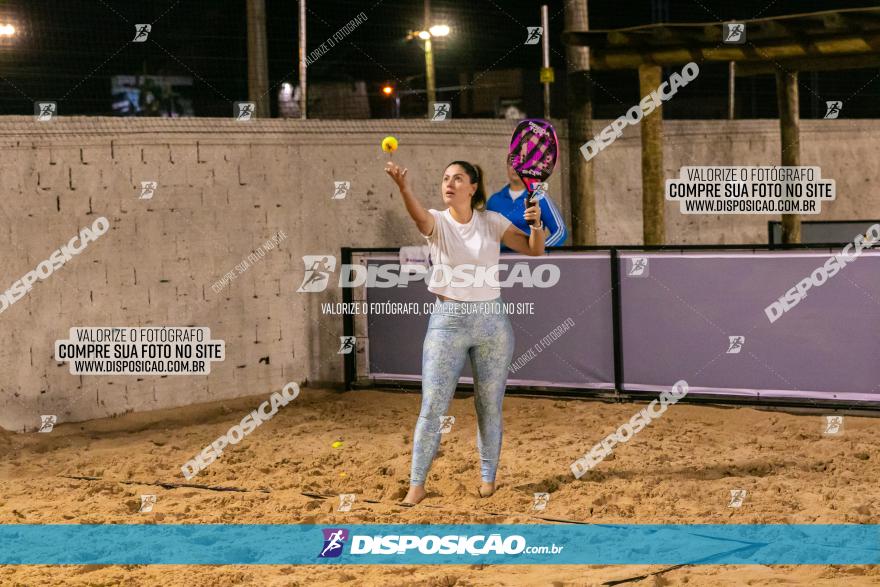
465 256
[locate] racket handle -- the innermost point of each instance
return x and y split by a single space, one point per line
529 203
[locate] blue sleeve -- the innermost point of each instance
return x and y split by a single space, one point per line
494 201
552 217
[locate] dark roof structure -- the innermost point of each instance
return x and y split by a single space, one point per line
830 40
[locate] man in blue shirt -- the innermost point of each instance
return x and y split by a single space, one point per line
510 201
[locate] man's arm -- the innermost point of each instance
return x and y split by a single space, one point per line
554 223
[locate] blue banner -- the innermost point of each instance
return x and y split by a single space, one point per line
594 544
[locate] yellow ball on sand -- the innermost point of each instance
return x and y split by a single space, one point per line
389 144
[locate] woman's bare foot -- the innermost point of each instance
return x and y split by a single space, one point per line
415 494
486 489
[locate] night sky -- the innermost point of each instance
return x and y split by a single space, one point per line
67 50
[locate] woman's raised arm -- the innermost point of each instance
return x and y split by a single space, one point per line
423 219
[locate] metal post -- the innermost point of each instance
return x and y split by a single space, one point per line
303 99
349 361
789 122
580 129
258 65
545 46
653 201
616 323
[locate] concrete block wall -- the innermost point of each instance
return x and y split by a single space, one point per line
225 187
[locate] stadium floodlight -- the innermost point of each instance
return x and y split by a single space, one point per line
6 30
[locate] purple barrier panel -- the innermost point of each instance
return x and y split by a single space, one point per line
581 357
680 310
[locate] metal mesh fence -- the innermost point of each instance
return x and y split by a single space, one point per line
193 61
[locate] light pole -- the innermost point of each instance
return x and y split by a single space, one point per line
438 30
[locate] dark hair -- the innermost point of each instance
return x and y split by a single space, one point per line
478 202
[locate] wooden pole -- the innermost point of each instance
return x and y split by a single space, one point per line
303 74
545 56
431 93
653 201
258 65
789 122
731 90
580 127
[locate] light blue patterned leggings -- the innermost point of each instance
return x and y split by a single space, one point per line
456 331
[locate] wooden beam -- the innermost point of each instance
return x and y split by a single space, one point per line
789 122
580 130
624 49
653 201
831 63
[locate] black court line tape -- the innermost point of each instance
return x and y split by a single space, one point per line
640 577
748 546
167 485
439 508
456 512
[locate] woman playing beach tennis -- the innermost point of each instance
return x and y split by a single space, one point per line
468 321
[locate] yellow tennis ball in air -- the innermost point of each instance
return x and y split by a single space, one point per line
389 144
